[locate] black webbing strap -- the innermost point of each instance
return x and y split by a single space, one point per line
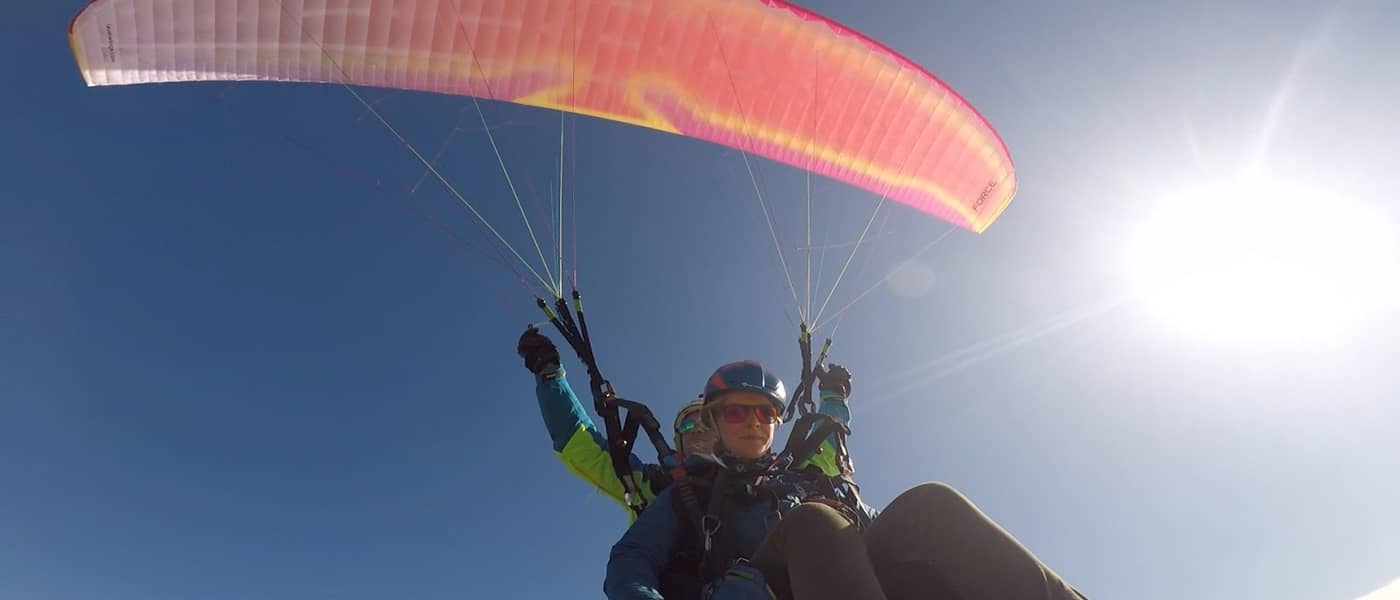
806 439
621 436
802 404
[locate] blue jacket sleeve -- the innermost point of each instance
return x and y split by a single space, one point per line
637 560
562 412
835 406
579 444
832 405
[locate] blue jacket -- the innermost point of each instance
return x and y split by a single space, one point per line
638 559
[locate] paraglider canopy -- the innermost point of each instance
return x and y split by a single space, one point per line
764 76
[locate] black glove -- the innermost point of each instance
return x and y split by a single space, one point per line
538 351
834 378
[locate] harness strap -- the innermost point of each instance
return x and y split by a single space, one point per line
801 446
716 540
802 394
621 437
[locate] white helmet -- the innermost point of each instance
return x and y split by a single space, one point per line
689 409
690 419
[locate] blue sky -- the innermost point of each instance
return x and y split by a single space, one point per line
238 362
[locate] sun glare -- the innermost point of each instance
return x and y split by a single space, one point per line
1261 261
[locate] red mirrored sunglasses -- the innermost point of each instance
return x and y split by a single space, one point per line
739 413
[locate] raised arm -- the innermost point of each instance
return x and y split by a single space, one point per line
576 440
834 383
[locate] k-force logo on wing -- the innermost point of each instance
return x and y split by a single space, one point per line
109 51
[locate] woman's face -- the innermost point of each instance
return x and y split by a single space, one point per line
745 421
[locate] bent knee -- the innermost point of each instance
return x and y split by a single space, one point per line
813 519
814 514
930 496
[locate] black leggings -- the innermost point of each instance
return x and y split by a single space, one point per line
931 542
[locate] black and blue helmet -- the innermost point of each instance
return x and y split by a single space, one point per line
746 375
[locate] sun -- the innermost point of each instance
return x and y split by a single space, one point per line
1261 261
